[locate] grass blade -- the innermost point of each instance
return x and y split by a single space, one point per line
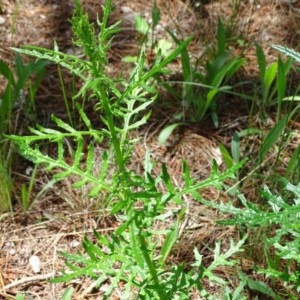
272 137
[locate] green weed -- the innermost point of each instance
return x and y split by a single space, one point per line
19 81
132 254
279 221
273 83
201 89
135 259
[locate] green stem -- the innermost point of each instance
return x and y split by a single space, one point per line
149 261
111 127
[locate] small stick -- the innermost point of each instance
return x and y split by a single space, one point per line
27 279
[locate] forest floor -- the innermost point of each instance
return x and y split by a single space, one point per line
60 216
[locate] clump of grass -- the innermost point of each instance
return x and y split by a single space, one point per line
19 81
201 88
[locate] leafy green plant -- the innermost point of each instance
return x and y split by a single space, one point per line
20 297
292 170
233 156
201 89
273 79
133 253
279 222
19 81
271 93
148 36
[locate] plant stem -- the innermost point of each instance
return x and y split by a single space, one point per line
149 261
111 127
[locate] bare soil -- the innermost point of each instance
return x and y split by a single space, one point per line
61 216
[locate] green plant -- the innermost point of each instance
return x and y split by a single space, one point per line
26 191
292 170
20 297
273 92
14 97
148 36
133 253
279 223
201 89
142 263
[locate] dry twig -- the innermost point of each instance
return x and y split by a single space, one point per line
27 280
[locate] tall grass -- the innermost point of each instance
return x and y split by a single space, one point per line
19 82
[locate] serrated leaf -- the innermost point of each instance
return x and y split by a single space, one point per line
287 51
259 286
92 250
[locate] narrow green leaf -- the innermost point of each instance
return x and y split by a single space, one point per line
188 90
166 132
167 179
294 164
272 137
94 252
63 124
270 74
259 286
227 69
118 206
68 293
78 153
281 85
235 147
226 156
155 14
261 61
83 116
169 242
137 245
186 175
90 162
221 37
213 68
130 59
6 72
24 197
210 97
